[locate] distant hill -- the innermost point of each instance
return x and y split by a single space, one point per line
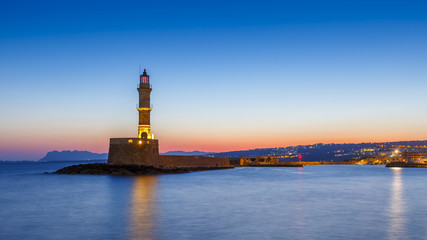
331 152
183 153
73 156
316 152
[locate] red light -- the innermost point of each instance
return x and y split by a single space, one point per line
299 157
143 79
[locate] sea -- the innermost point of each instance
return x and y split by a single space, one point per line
313 202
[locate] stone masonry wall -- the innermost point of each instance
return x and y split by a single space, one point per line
170 161
134 151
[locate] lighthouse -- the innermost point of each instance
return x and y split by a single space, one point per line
144 107
143 150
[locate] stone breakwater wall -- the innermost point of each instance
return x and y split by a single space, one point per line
403 164
170 161
137 151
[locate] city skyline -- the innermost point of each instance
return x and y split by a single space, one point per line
225 75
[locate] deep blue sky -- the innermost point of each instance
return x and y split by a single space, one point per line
227 75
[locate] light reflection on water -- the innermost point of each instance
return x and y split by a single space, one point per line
143 208
299 209
397 210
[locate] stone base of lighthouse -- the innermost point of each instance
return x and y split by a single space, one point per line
134 151
137 151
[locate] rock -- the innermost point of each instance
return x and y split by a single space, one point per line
128 170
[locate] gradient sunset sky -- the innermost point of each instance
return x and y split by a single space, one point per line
226 75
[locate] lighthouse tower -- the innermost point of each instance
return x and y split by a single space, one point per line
144 107
143 150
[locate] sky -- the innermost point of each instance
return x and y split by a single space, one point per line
226 75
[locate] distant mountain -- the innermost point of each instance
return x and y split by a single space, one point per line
73 156
183 153
316 152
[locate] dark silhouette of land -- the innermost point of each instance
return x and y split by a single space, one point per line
128 170
311 153
73 156
331 152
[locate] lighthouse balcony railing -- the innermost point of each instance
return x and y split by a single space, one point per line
138 106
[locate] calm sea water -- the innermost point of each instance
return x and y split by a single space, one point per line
314 202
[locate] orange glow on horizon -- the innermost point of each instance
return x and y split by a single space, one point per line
220 141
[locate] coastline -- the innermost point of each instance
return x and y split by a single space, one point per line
128 170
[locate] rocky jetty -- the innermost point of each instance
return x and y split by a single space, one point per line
404 164
274 165
128 170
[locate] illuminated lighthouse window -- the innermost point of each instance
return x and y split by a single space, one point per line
144 79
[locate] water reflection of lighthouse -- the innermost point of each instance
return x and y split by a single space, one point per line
397 210
143 208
